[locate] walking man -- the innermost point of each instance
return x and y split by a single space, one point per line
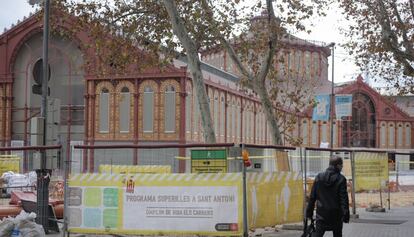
331 198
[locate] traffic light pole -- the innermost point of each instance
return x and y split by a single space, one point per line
43 174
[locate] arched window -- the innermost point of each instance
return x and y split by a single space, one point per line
316 65
391 134
324 132
196 112
216 116
314 133
407 135
169 115
104 111
263 126
148 110
383 134
308 65
244 123
298 66
257 121
305 132
188 110
238 116
400 131
222 115
234 118
124 110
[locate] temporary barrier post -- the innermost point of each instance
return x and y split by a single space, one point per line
305 174
353 182
245 224
303 180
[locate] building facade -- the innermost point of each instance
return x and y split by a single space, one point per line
159 106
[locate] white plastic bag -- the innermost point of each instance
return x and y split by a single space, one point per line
25 225
30 229
6 227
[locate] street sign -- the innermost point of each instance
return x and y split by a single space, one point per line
208 161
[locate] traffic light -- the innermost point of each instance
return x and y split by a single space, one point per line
246 160
38 77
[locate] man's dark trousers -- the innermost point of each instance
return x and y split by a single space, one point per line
321 228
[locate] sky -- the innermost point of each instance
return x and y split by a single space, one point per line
325 30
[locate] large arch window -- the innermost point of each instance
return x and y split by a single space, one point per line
148 114
169 108
124 110
104 111
360 131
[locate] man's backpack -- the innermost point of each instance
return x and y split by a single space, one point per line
308 229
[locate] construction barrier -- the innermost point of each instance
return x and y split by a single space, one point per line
9 163
134 169
274 198
157 204
371 171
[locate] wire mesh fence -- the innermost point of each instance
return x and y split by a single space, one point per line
375 177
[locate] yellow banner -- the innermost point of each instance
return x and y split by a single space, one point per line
274 198
156 204
9 163
134 169
371 171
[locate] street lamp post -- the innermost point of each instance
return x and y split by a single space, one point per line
332 45
43 174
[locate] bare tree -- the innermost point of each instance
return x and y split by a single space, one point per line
381 39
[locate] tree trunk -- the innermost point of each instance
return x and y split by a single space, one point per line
194 65
269 112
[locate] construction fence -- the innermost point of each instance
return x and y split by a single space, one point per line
204 189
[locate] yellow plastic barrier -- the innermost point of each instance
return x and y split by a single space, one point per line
371 171
9 163
274 198
134 169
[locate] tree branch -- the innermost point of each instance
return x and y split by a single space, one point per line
272 42
407 44
412 8
128 14
388 35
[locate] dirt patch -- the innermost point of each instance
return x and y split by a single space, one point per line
402 198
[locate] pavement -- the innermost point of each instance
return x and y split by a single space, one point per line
369 224
397 222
